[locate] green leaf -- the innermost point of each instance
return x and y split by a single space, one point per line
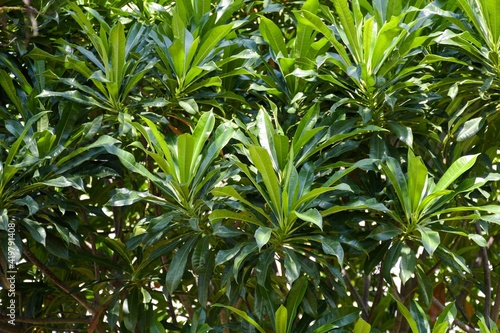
262 236
294 299
272 34
349 28
292 266
178 266
417 180
118 43
362 326
470 128
333 247
28 202
454 171
402 132
408 316
243 315
185 156
281 319
408 263
478 239
213 36
36 230
202 131
8 86
430 239
397 179
420 317
262 161
313 216
226 255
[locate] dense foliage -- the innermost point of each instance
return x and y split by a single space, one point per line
250 166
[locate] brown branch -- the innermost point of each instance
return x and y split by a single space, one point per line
496 307
31 257
364 307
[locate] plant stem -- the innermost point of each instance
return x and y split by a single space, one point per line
364 308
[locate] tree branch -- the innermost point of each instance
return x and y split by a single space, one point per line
364 307
31 257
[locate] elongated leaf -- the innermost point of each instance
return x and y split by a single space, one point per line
178 266
212 38
262 236
313 216
292 266
397 179
347 21
402 132
294 299
362 326
417 180
281 319
430 239
470 128
185 155
7 84
243 315
118 44
408 316
272 34
455 170
262 161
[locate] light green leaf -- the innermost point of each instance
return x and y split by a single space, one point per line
262 236
214 36
469 128
417 180
478 239
272 34
281 319
262 161
454 171
313 216
362 326
294 299
430 239
292 266
408 316
243 315
408 263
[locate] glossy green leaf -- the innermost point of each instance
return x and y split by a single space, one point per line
408 316
272 34
294 299
362 326
312 216
243 315
178 265
292 266
262 236
459 167
262 161
430 239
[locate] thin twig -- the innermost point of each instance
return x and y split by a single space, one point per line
364 307
31 257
